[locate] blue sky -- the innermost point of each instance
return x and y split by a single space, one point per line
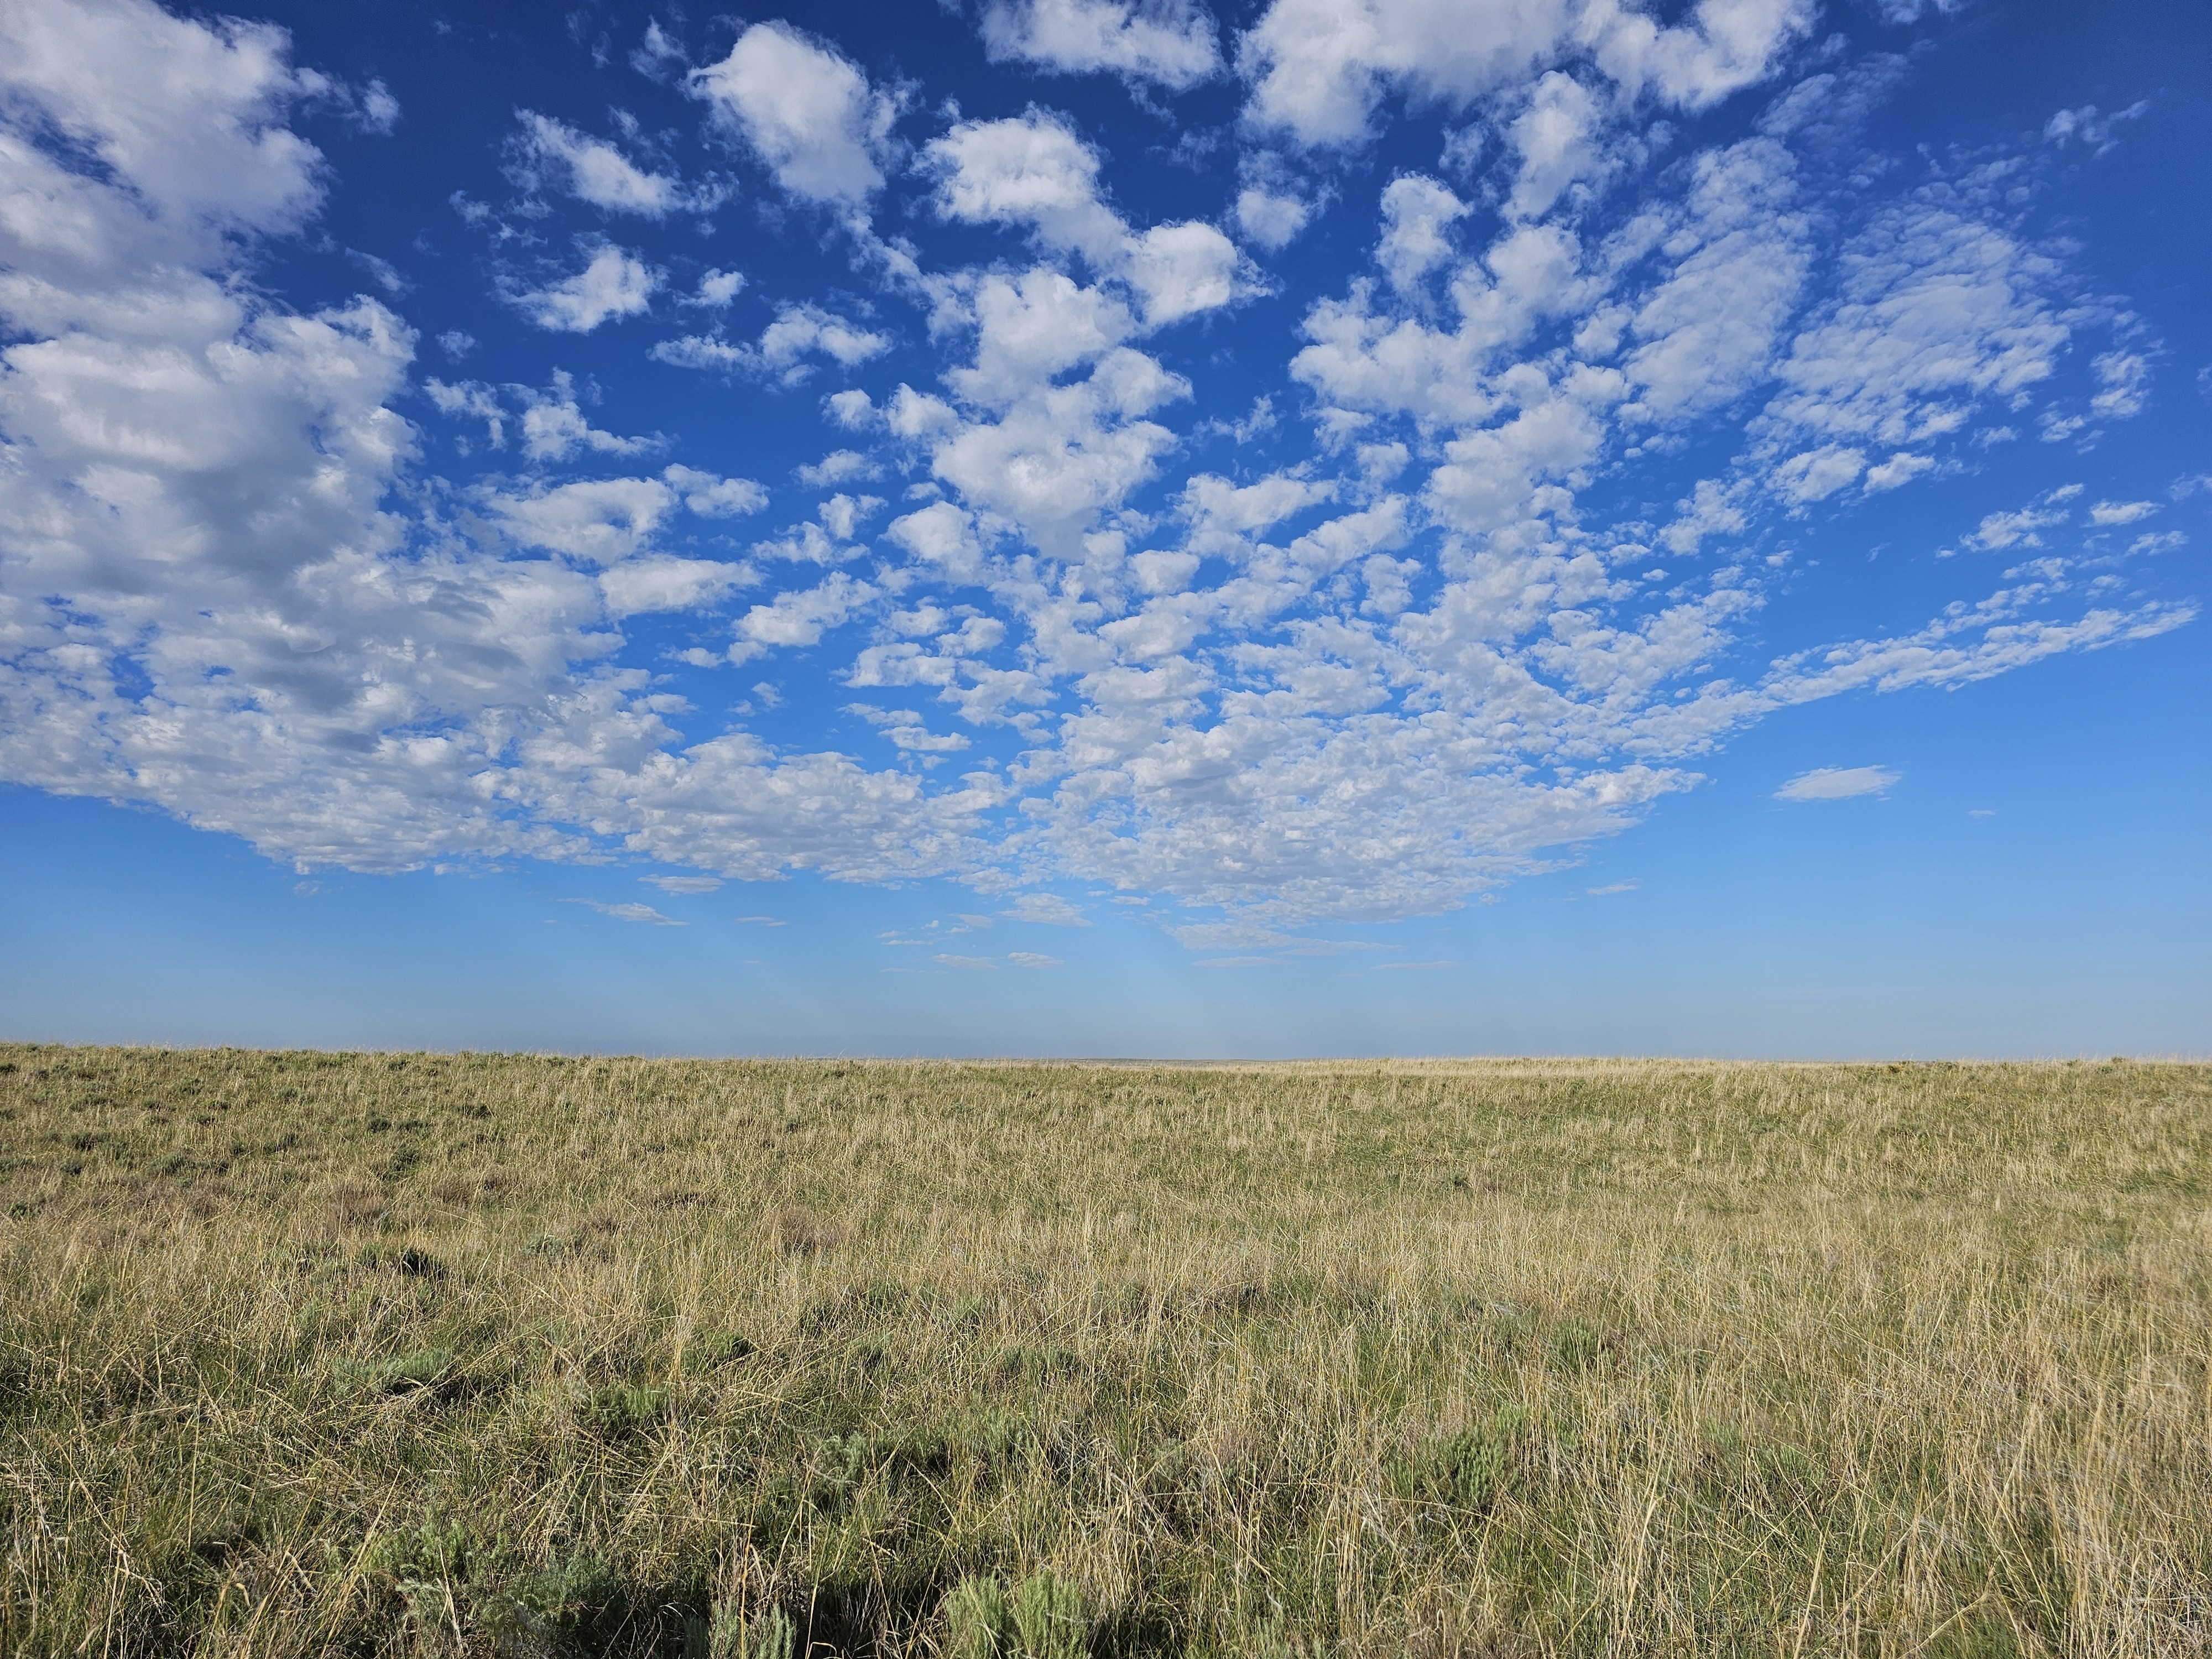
1078 527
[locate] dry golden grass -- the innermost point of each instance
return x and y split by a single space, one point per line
310 1353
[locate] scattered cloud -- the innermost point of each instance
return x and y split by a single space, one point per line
380 110
628 912
2112 513
1269 220
548 154
839 466
1122 618
1838 783
804 110
613 286
717 289
800 333
1168 42
2090 129
1320 70
684 886
1035 171
1049 909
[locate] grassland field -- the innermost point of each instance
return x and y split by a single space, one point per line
418 1354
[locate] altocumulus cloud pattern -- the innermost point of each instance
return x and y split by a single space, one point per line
1353 614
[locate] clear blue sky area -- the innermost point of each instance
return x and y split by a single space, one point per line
1108 527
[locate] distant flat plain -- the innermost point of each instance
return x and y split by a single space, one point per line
393 1354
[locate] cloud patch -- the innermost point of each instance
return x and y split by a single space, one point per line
1168 43
613 285
1838 783
804 110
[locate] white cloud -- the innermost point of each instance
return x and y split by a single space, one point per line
1036 171
804 330
1199 660
1030 170
1181 270
1713 508
628 912
656 54
852 409
1416 213
707 352
712 496
838 466
1033 959
2092 129
471 398
684 886
603 521
2023 527
2122 378
908 732
1049 909
1818 474
1725 45
807 543
718 289
841 515
1031 329
1555 136
1935 312
1707 331
614 285
1269 219
203 152
1168 41
801 330
805 110
380 110
1838 783
547 152
2110 513
554 426
597 521
1366 359
1055 457
800 617
259 639
659 582
1319 67
1899 469
940 535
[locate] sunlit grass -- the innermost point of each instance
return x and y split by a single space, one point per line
304 1353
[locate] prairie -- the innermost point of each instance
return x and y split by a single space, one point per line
412 1354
